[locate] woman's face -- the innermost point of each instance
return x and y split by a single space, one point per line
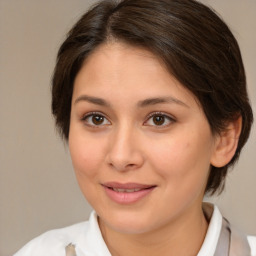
140 144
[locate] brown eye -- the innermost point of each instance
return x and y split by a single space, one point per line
95 120
158 120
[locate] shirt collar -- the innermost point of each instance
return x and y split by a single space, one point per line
91 241
214 217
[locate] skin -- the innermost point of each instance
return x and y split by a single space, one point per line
128 145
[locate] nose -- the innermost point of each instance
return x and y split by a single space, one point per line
125 150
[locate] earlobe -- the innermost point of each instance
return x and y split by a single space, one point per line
226 143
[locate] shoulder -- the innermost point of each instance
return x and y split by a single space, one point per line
53 242
216 232
252 243
85 236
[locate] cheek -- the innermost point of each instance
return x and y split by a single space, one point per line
85 156
183 164
86 159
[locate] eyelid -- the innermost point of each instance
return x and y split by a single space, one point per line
84 116
89 114
160 113
170 117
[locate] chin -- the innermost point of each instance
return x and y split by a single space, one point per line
131 229
127 224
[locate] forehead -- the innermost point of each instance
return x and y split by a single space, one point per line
120 56
119 68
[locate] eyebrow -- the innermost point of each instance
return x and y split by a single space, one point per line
94 100
161 100
142 103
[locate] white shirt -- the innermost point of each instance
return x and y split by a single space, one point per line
88 240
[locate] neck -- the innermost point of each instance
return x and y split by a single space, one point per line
183 235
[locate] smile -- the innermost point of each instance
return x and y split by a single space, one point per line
126 190
127 193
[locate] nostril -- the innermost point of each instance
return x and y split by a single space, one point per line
123 167
131 165
124 159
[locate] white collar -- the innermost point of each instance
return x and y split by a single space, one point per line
212 236
91 241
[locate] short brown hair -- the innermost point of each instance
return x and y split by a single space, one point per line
197 47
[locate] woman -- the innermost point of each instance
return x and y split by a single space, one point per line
151 97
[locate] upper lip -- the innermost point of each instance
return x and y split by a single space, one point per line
129 185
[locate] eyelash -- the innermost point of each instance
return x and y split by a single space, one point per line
94 114
151 115
163 115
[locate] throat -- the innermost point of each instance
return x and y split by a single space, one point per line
169 241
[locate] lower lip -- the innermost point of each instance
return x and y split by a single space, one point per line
127 198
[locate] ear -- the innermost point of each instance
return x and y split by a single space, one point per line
226 143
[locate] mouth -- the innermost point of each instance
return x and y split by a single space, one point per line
127 193
123 190
127 187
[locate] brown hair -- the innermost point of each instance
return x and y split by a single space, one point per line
196 45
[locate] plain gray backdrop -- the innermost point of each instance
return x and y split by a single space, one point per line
38 190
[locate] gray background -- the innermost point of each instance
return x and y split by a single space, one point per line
38 190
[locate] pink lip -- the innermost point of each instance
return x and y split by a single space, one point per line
127 197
